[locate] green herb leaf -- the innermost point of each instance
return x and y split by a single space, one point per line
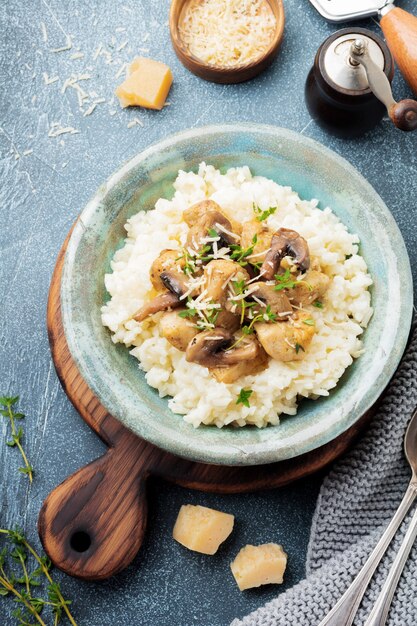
187 313
212 232
309 321
263 215
8 411
26 470
318 304
243 397
298 347
284 281
8 401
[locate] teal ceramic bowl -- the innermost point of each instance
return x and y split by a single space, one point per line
289 159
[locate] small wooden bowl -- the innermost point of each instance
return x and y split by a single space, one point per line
218 74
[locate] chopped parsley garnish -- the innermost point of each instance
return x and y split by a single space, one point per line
240 254
298 347
263 215
188 313
309 321
211 316
243 397
285 281
249 330
189 263
212 232
318 304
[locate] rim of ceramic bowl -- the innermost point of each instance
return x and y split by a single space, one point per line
268 449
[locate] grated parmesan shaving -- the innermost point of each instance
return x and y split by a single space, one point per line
44 32
56 130
67 46
48 80
227 33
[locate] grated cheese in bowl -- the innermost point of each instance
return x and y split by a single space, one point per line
227 33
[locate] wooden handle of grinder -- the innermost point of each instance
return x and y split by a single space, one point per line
404 114
400 31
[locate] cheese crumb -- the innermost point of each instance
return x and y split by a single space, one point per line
202 529
259 565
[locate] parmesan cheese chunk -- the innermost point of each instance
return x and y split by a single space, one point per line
202 529
147 84
259 565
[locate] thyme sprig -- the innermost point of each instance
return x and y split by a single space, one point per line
8 411
266 316
210 314
240 255
263 215
287 281
23 586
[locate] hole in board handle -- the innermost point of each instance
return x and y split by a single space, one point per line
80 541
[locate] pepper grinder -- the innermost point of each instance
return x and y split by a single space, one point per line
348 89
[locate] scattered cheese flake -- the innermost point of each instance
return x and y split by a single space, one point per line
27 152
44 32
57 130
121 69
120 30
49 80
77 55
135 122
90 109
146 37
122 45
98 52
68 46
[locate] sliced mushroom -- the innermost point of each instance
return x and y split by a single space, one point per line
167 260
212 348
163 302
232 373
277 300
263 235
211 220
287 341
197 211
285 242
313 287
179 331
176 282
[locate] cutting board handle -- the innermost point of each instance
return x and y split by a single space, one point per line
93 523
400 31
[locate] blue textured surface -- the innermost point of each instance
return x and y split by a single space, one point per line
41 194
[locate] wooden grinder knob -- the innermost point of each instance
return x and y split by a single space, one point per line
404 114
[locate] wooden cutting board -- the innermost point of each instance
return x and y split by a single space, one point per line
92 525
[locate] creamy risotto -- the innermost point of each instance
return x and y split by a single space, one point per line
238 298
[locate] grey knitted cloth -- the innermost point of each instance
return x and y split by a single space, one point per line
356 503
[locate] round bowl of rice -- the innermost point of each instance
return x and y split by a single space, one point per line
288 408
